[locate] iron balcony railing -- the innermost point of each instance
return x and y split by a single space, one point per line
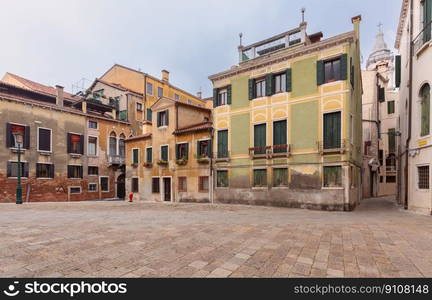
222 156
116 160
260 152
326 148
423 37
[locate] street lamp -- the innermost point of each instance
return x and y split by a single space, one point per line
19 142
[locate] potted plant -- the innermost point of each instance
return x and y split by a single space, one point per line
181 161
162 162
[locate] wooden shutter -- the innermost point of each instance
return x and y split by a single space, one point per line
26 170
209 149
176 152
398 70
289 80
81 171
26 137
320 72
149 114
198 149
260 137
427 17
381 94
343 67
167 117
8 135
215 98
269 84
44 138
251 89
187 150
392 140
280 133
69 171
51 171
158 119
222 146
229 94
81 144
68 143
9 169
332 130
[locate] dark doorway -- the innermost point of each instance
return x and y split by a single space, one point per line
121 191
167 189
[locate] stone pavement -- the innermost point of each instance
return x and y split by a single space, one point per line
120 239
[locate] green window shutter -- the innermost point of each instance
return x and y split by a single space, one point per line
344 67
392 140
381 94
187 150
158 119
167 117
427 17
332 130
398 70
135 156
198 149
269 84
209 149
149 114
215 97
320 72
222 147
251 89
280 135
289 80
229 94
177 151
260 138
425 111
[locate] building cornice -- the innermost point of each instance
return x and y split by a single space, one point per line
402 20
285 55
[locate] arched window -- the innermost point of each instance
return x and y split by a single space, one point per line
425 110
122 148
113 143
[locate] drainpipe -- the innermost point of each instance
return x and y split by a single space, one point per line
410 89
211 189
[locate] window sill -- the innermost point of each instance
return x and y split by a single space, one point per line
46 153
44 178
283 187
92 191
105 191
423 48
259 188
333 188
75 155
76 178
17 178
15 150
222 187
163 127
93 175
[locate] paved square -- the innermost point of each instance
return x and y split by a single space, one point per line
120 239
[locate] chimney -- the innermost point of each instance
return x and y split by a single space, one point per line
165 76
59 96
356 23
199 95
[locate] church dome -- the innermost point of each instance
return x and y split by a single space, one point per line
380 52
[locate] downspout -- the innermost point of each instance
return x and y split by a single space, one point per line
211 190
410 89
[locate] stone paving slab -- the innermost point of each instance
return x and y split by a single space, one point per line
120 239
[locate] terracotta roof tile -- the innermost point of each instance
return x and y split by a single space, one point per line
139 137
194 128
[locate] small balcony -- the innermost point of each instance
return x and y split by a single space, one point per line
423 38
116 160
223 156
281 151
328 148
203 159
260 152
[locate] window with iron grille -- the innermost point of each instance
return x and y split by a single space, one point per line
135 185
280 177
391 179
332 176
222 178
423 177
93 171
155 185
182 184
104 183
44 170
260 178
203 184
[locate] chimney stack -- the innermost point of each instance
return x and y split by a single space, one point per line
59 96
165 76
199 95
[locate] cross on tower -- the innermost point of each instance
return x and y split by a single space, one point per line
380 27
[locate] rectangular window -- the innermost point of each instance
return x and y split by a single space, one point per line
44 170
204 149
92 124
12 169
149 87
139 107
135 156
280 177
332 130
44 139
92 146
176 96
203 184
332 176
182 184
332 70
426 20
222 146
149 114
104 184
260 88
392 140
280 137
222 97
75 143
92 187
162 117
280 83
149 155
425 110
75 190
75 172
93 171
423 177
260 178
260 140
222 179
24 131
390 107
164 153
135 185
155 185
182 151
160 92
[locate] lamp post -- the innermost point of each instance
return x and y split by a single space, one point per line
19 142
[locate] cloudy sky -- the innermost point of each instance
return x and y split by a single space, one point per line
61 42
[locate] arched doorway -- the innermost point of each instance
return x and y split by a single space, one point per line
121 186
